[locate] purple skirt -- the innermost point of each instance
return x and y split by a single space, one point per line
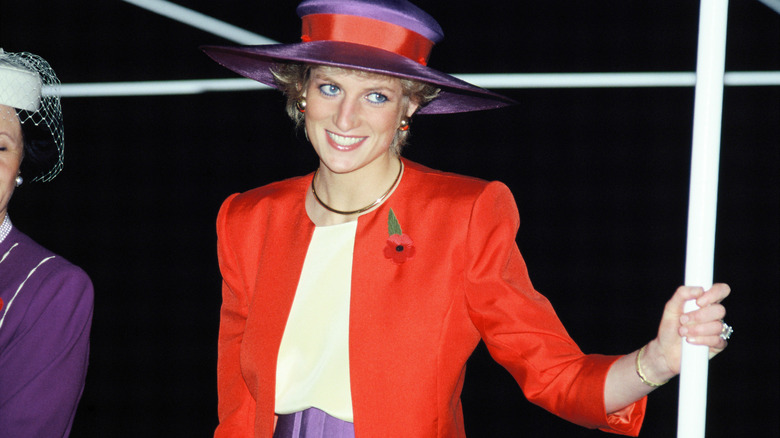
312 423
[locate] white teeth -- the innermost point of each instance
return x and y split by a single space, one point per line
344 141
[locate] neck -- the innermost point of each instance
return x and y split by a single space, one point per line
348 195
5 226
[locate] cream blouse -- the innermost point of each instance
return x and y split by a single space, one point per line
313 362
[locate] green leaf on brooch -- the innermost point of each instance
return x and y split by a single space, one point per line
393 227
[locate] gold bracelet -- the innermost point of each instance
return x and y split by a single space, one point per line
639 370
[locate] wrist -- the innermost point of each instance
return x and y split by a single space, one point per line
651 367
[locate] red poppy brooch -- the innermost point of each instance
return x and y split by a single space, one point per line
399 246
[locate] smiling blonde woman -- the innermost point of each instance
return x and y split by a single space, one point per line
353 296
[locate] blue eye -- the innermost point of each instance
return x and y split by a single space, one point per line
377 98
329 89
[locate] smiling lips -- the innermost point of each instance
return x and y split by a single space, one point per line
343 143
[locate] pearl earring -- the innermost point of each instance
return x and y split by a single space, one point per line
19 180
404 124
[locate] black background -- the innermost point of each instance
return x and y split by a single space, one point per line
600 177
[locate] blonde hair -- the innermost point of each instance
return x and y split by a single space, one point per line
293 78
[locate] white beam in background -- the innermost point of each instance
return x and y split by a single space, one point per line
613 80
153 88
201 21
774 4
506 81
581 80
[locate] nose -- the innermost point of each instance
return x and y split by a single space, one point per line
347 115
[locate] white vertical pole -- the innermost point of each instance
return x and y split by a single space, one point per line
702 206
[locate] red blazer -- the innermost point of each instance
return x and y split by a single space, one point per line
412 324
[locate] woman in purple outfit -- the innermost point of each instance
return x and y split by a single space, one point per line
45 301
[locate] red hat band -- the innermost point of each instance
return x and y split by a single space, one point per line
368 32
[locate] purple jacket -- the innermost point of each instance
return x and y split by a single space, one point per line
45 320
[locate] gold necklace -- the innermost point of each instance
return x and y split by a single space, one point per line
359 210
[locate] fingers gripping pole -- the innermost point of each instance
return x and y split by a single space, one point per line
702 206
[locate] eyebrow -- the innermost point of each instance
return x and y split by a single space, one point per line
381 88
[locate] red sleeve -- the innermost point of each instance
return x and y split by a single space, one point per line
522 331
236 406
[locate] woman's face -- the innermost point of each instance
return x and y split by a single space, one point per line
11 152
351 118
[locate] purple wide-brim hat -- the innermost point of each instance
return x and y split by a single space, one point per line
391 37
